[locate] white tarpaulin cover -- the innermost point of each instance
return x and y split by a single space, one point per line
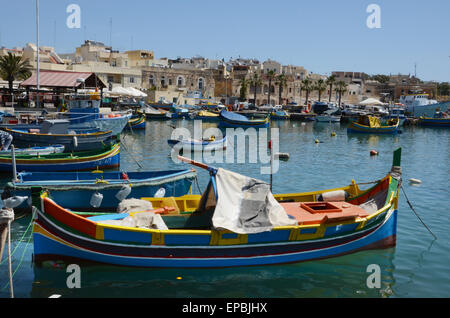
371 101
246 205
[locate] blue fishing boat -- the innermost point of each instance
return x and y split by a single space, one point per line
233 120
372 125
74 190
440 119
56 132
136 122
198 145
279 115
237 222
106 157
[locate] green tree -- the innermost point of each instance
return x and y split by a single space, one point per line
383 79
307 86
243 91
255 82
320 87
330 82
13 68
270 76
281 82
443 89
341 88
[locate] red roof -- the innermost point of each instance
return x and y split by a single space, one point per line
61 79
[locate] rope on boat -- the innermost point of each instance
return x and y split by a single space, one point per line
412 208
134 159
198 186
7 216
11 274
20 240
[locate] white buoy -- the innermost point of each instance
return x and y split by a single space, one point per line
415 181
123 193
96 200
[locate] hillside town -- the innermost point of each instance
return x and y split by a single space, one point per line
197 78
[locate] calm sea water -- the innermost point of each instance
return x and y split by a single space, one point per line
416 267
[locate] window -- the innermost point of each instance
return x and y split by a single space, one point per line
201 83
170 81
151 80
110 79
180 81
131 79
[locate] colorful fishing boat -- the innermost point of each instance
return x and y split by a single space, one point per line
371 125
76 190
198 145
279 115
35 151
103 158
72 142
233 120
439 120
237 222
205 115
137 122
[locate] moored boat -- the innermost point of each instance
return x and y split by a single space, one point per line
72 141
102 158
137 122
237 222
279 115
233 120
35 151
440 119
198 145
75 190
207 116
372 125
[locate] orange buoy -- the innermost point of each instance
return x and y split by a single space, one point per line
374 153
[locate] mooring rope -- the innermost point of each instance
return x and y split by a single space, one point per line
20 240
134 159
412 208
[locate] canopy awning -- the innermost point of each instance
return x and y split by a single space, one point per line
371 101
62 79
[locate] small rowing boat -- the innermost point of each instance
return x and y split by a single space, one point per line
198 145
233 120
371 125
137 122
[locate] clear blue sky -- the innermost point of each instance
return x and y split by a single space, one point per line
322 35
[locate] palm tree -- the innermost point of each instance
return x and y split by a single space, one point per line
341 87
255 82
243 92
307 87
320 87
330 82
281 82
13 68
270 76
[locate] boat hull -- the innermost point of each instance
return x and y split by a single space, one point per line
354 127
76 193
78 142
101 160
51 240
434 122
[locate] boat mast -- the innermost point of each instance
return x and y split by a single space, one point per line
37 44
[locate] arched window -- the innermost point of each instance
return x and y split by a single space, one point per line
180 81
201 83
163 80
151 80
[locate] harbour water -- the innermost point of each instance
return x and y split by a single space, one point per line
416 267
